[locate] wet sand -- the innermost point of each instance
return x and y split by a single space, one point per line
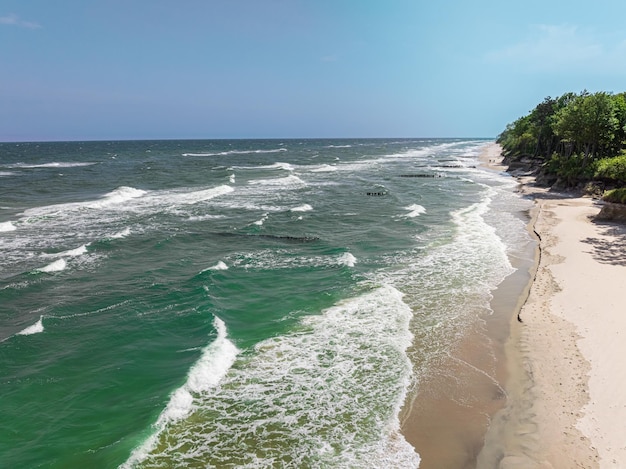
448 418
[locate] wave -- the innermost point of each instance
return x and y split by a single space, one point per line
194 197
326 395
51 165
219 266
129 198
261 220
116 197
121 234
479 240
347 259
236 152
326 168
302 208
8 173
214 363
277 165
33 329
55 266
205 217
415 210
270 259
120 195
79 251
7 226
231 179
286 181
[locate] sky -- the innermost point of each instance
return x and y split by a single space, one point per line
186 69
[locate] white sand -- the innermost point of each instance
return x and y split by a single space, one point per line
592 278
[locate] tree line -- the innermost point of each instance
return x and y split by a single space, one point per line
573 140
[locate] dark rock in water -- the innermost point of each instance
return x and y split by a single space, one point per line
456 166
419 175
612 212
376 193
290 239
286 239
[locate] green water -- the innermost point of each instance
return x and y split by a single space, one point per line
236 303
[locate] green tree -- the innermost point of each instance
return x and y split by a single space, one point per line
587 125
619 142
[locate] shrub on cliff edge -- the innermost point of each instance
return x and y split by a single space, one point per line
617 196
612 169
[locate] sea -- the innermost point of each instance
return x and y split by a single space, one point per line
238 303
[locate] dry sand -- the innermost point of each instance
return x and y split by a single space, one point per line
566 391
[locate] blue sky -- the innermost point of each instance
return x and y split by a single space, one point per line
135 69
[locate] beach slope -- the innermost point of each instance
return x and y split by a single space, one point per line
566 405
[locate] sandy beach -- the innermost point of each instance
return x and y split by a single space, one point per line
561 362
566 405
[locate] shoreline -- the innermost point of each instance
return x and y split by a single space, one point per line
560 365
444 432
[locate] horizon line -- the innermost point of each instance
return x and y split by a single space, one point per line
236 138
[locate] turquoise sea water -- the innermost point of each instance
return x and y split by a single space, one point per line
246 303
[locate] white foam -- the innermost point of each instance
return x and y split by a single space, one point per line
214 363
115 197
118 196
219 266
236 152
79 251
7 173
261 220
121 234
7 226
480 240
55 266
272 259
286 181
51 165
188 198
347 259
326 168
415 210
231 179
279 165
302 208
205 217
33 329
216 360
